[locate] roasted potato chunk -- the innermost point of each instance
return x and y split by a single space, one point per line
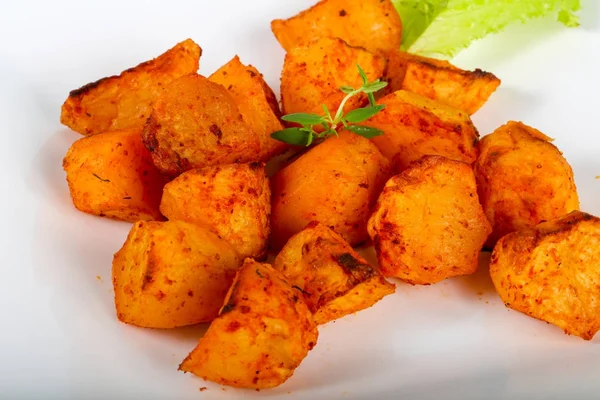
261 335
170 274
552 272
371 24
334 279
112 175
125 101
256 101
233 200
428 224
196 123
522 180
440 81
312 75
336 183
416 126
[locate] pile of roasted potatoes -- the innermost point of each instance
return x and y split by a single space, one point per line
182 157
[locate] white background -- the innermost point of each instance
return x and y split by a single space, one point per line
59 338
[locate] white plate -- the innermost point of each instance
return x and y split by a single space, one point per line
455 340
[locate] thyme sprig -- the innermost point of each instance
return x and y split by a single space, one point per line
307 133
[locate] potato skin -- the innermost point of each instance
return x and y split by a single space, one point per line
256 101
112 175
335 280
416 126
170 274
552 272
196 123
428 224
261 335
336 183
371 24
440 81
125 101
233 200
313 73
522 180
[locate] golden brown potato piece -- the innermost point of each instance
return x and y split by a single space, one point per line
552 272
112 175
125 101
196 123
428 224
336 183
334 279
170 274
371 24
416 126
261 335
312 75
522 180
256 101
440 81
233 200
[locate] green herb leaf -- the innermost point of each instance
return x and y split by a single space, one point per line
365 131
327 113
371 99
309 140
310 132
347 89
374 87
303 118
362 114
362 74
295 136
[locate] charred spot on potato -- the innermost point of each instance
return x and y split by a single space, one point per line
245 309
479 73
302 290
342 13
82 91
149 135
233 326
305 249
100 178
215 130
348 261
227 308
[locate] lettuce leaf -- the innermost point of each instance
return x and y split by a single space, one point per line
445 27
